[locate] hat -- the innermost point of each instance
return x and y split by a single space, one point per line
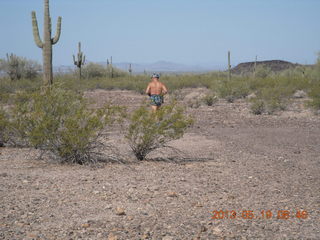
155 75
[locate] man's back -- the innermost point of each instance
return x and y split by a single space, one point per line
156 88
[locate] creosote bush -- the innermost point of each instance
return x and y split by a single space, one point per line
59 121
210 99
149 131
257 106
4 125
17 68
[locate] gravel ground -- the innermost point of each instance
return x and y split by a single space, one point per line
257 173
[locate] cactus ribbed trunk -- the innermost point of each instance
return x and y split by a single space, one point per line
47 42
47 47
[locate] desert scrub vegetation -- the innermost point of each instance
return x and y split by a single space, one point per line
59 121
16 67
152 130
273 90
4 126
237 87
210 99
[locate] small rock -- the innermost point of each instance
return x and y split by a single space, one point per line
146 235
32 235
85 225
130 218
25 181
111 236
251 96
172 194
203 229
216 230
299 94
108 207
96 192
167 238
198 204
120 211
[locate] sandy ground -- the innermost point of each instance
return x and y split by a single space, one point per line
251 165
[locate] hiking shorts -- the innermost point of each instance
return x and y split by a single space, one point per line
156 100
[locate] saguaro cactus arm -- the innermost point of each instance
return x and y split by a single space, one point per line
58 33
35 29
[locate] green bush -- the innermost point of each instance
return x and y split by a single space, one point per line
19 67
262 71
210 99
234 89
149 131
4 125
257 106
59 121
93 70
314 94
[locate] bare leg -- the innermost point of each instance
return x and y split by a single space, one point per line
154 108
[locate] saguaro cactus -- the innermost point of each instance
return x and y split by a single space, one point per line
255 67
130 69
81 59
229 66
46 45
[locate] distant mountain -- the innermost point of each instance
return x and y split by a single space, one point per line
160 66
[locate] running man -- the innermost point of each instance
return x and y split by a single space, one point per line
156 90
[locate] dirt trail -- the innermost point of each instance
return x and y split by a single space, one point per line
254 163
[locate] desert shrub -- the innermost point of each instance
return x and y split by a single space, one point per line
19 68
149 131
194 103
4 125
59 121
314 95
273 99
262 71
94 70
233 89
257 106
314 88
210 99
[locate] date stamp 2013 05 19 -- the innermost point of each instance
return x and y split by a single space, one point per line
262 214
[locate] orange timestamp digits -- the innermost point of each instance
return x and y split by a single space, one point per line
263 214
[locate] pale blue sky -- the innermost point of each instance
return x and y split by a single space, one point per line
196 32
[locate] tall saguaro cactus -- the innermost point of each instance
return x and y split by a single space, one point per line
81 59
46 44
229 66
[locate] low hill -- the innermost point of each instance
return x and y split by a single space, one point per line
273 65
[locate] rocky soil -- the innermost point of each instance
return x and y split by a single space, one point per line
239 167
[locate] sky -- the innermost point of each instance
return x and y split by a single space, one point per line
192 32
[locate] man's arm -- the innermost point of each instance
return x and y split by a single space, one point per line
148 89
164 89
